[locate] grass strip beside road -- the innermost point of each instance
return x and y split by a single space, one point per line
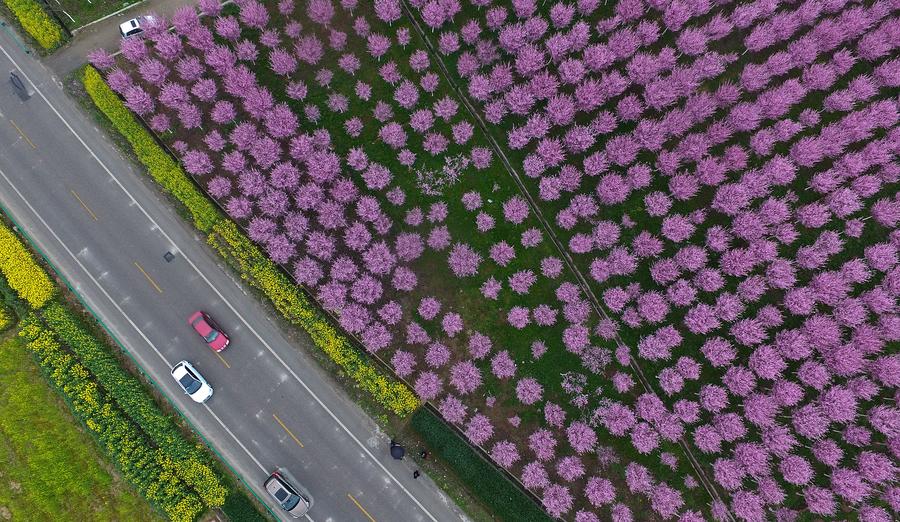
146 467
190 464
83 12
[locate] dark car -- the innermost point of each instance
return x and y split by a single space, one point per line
209 331
286 495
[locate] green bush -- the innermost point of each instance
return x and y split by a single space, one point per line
487 482
149 468
130 395
162 167
37 22
239 508
254 266
7 317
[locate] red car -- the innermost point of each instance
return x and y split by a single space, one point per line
208 330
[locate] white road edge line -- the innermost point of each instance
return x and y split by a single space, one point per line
241 444
221 297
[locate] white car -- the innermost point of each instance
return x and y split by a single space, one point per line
135 26
190 380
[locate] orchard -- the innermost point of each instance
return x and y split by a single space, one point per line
643 253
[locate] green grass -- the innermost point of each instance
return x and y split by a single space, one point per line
85 12
489 483
48 467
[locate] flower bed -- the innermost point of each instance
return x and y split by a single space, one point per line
37 23
698 190
21 272
149 469
189 463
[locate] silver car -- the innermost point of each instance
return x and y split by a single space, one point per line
190 380
286 495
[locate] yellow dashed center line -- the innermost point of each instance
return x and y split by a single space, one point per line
285 428
222 359
152 282
22 133
83 204
366 513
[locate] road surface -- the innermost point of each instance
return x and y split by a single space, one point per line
103 227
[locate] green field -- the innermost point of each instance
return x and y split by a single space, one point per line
49 468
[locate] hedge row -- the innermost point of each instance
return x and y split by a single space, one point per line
150 469
484 479
21 271
254 266
162 167
130 395
37 22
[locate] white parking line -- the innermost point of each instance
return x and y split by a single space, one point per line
318 400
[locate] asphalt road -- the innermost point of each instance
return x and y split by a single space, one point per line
104 228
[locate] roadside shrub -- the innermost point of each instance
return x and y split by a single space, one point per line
7 318
161 166
239 507
289 300
131 396
505 498
148 468
37 22
21 271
